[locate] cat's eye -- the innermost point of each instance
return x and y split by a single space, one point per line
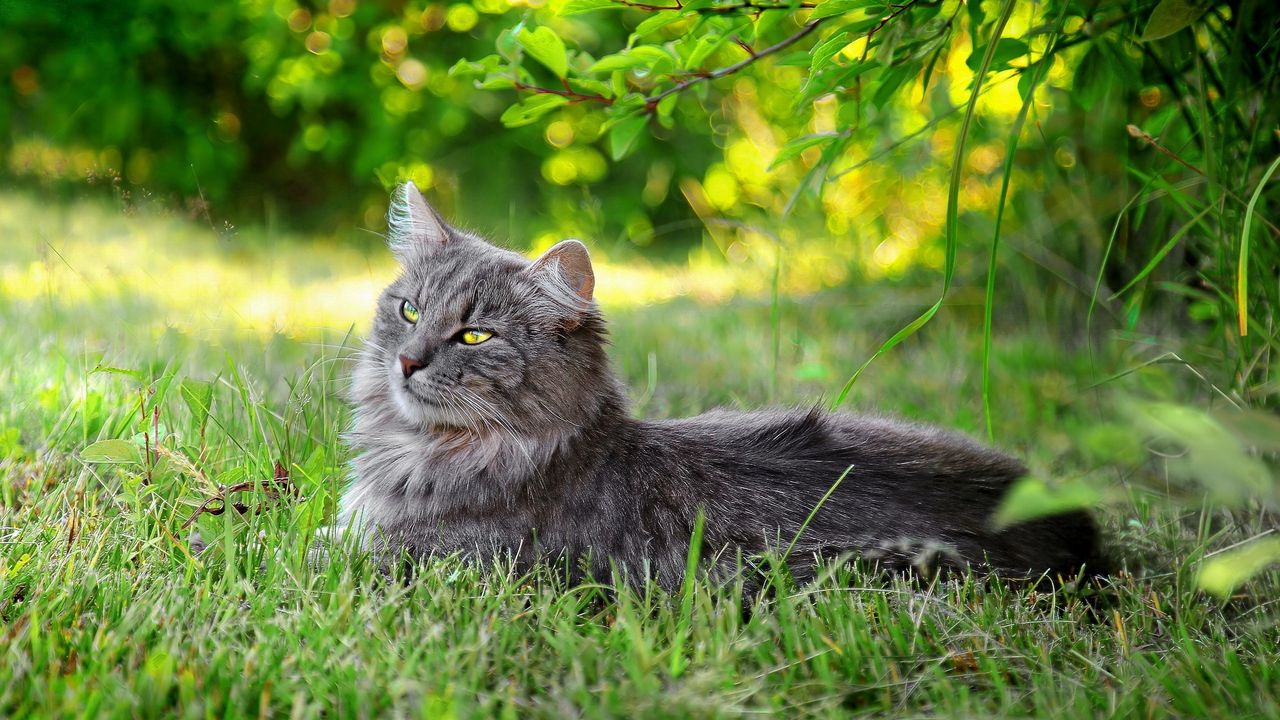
409 312
472 336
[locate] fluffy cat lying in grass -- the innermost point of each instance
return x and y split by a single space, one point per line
489 421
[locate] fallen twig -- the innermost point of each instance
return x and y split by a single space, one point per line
276 487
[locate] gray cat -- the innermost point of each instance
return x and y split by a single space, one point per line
489 421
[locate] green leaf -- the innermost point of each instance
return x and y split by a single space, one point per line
829 8
135 374
767 21
891 81
1202 451
888 41
799 145
1226 571
707 44
1169 17
111 452
577 7
860 27
506 43
620 61
826 50
483 66
1031 498
528 111
1258 429
1027 80
596 86
546 47
713 40
830 80
623 135
1007 49
667 106
656 22
1093 78
198 395
654 59
794 59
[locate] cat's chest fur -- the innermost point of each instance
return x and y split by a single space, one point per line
448 487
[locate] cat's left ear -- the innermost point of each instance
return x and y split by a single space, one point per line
412 224
566 271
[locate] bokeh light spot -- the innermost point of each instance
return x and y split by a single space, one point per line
299 20
394 41
462 18
559 134
412 73
318 42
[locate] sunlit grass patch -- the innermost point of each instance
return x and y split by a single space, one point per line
87 261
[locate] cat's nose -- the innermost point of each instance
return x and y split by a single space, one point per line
410 366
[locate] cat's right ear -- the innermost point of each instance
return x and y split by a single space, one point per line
412 226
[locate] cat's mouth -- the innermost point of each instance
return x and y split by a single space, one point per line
419 395
430 410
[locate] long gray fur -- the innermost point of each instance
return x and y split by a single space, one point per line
523 444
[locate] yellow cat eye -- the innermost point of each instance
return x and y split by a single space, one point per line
474 337
409 312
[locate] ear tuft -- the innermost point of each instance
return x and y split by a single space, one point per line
570 263
411 223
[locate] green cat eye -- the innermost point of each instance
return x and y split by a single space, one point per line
409 312
474 336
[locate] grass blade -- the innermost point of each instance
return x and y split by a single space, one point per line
989 301
1160 254
953 208
805 525
1242 268
678 662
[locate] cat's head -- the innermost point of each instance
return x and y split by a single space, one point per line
472 336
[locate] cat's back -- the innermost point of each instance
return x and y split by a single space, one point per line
901 484
872 443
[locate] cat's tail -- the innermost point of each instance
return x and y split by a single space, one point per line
1060 547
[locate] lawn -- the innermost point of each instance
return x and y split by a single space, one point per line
218 356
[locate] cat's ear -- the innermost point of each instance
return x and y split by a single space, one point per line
411 223
566 268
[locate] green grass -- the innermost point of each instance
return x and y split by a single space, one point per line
104 612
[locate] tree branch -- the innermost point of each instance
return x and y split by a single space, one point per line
745 5
568 92
651 102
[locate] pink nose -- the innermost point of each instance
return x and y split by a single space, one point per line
409 366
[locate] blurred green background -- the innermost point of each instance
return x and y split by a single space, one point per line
1133 160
